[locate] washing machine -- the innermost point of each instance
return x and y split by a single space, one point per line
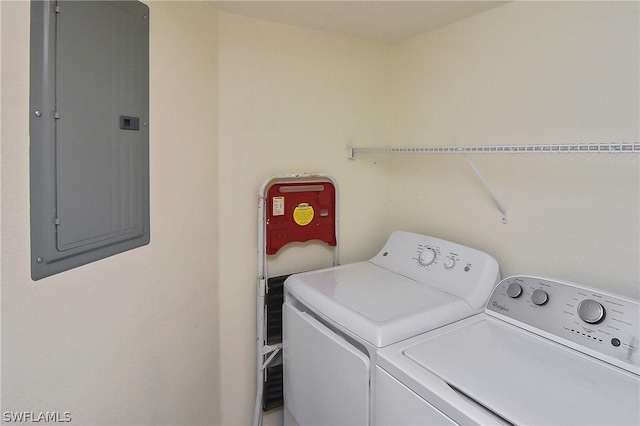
543 352
336 319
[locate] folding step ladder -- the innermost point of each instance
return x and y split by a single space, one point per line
297 208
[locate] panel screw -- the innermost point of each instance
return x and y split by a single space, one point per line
38 113
39 260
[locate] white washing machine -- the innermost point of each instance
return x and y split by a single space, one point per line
544 352
334 320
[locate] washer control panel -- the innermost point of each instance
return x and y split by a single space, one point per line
600 324
458 270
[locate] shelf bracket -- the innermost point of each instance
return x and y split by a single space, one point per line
487 188
351 153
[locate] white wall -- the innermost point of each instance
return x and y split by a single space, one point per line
131 339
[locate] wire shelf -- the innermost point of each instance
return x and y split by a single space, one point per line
580 148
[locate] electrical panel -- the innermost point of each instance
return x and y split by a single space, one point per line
89 132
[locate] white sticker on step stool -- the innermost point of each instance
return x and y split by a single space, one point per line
278 206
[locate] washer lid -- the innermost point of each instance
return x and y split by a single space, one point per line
527 379
375 304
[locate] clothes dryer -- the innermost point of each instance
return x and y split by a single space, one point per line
336 319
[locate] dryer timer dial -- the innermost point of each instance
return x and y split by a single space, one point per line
449 262
427 256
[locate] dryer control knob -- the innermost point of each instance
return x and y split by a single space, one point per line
427 257
449 262
539 297
591 311
514 290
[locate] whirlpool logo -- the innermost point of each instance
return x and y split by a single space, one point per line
500 307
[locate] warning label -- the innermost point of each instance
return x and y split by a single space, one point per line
303 214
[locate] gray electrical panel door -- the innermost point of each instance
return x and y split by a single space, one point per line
89 131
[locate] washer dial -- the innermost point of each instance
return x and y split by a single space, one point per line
427 257
514 290
591 311
539 297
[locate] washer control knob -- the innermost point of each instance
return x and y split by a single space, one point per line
427 257
449 262
514 290
591 311
539 297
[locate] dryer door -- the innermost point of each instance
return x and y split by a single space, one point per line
326 380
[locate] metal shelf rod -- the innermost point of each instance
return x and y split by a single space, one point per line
579 148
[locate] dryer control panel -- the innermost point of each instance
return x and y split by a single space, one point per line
459 270
597 323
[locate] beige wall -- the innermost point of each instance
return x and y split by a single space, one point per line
131 339
292 100
165 334
527 73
